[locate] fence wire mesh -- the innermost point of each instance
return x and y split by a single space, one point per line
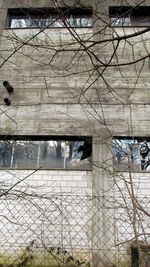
69 230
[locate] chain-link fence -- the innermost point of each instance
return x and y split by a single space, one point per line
71 230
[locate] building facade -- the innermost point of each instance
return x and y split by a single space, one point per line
74 144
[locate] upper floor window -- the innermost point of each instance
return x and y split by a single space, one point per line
131 154
122 16
49 18
57 152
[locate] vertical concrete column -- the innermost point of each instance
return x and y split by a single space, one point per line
3 12
103 207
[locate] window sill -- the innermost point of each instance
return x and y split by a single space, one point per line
132 26
134 171
49 28
44 169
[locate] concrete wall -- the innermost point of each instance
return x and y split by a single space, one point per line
56 209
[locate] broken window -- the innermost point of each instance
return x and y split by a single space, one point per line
131 154
46 152
49 18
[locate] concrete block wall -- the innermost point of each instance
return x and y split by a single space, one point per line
47 206
132 187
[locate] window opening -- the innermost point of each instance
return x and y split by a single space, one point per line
122 16
48 153
49 18
131 154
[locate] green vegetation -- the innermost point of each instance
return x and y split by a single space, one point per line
53 257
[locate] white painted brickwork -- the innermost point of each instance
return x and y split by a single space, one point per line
124 213
48 206
26 217
57 181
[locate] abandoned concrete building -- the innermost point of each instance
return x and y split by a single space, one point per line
74 131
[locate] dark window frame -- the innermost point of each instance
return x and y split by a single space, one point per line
52 15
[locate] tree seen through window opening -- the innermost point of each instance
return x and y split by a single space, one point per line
131 154
32 154
43 18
